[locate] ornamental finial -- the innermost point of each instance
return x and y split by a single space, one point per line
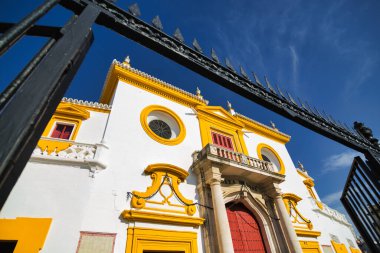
230 109
273 125
301 167
199 93
127 62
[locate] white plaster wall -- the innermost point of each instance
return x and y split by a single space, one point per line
91 130
52 191
131 150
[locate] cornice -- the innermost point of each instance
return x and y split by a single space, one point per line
262 129
92 106
137 78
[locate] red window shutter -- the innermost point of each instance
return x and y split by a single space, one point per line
67 132
214 138
229 143
222 140
62 131
57 131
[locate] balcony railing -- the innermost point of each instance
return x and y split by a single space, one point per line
229 155
74 150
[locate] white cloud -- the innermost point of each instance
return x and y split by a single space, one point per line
332 198
295 63
339 161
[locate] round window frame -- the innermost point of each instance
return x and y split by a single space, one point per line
261 146
145 125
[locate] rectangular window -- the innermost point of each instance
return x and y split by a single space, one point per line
222 140
96 242
62 131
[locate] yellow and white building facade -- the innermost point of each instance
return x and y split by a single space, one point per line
153 168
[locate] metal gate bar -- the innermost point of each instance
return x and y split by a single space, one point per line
361 199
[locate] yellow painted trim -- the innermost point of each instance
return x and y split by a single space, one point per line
339 247
144 123
307 233
303 174
56 145
130 76
292 197
290 201
355 250
227 125
90 108
262 130
30 233
68 114
310 247
263 145
163 174
141 240
162 218
168 168
309 182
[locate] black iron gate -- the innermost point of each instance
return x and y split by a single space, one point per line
361 198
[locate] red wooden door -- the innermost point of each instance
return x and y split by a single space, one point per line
245 231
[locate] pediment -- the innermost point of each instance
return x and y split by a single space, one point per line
72 110
218 113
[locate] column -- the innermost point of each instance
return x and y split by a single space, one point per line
213 178
285 221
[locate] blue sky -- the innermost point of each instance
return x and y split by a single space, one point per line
325 52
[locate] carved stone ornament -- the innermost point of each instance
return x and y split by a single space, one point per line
159 196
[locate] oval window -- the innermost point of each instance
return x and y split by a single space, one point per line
162 125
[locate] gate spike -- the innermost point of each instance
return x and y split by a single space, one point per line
291 98
326 117
178 35
243 73
214 56
301 103
229 65
269 85
280 91
310 109
196 46
134 10
257 80
318 113
157 23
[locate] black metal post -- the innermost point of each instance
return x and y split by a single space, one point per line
15 84
36 100
12 35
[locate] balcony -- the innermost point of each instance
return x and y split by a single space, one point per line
59 151
234 164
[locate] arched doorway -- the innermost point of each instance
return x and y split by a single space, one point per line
245 231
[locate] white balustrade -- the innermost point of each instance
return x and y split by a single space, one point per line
224 153
79 151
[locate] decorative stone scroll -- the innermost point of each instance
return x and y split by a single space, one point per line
164 191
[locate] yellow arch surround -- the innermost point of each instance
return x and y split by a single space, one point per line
263 145
144 123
